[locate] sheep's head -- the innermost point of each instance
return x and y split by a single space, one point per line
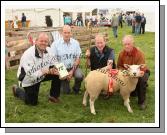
135 70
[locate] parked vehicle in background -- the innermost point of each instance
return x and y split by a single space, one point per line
105 22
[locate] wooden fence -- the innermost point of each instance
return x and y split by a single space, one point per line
17 41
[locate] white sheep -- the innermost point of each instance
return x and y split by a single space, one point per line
124 80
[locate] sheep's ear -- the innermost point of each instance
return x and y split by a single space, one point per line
126 66
142 66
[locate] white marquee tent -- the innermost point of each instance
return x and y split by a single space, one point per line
37 15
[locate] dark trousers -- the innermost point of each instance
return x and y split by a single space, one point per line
140 90
133 29
65 84
142 28
30 94
120 23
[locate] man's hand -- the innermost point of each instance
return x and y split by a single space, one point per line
45 71
87 54
53 71
109 64
70 75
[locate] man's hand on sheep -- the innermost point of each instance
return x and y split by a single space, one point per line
142 73
87 54
109 64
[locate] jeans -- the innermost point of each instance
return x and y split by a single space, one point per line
78 77
137 29
114 28
23 24
79 23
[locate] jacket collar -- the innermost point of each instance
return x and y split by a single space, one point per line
103 52
63 42
37 52
100 55
132 53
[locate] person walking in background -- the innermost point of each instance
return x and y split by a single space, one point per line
143 22
114 24
128 17
23 20
79 20
137 24
16 22
68 20
133 23
120 20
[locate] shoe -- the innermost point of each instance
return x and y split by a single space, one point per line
142 106
54 100
68 91
76 91
133 94
147 85
107 96
14 90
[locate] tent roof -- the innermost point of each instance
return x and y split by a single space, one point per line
77 9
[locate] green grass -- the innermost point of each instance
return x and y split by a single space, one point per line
70 109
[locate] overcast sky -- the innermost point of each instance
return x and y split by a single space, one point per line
142 6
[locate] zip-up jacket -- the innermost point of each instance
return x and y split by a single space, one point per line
31 63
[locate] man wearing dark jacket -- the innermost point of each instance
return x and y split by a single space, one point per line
23 20
137 23
143 22
100 56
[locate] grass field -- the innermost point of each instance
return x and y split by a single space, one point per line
70 109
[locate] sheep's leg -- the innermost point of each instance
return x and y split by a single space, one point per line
92 108
85 98
126 101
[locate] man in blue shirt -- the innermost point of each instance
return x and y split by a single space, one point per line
68 51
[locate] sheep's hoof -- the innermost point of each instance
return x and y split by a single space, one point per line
131 111
84 105
94 113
